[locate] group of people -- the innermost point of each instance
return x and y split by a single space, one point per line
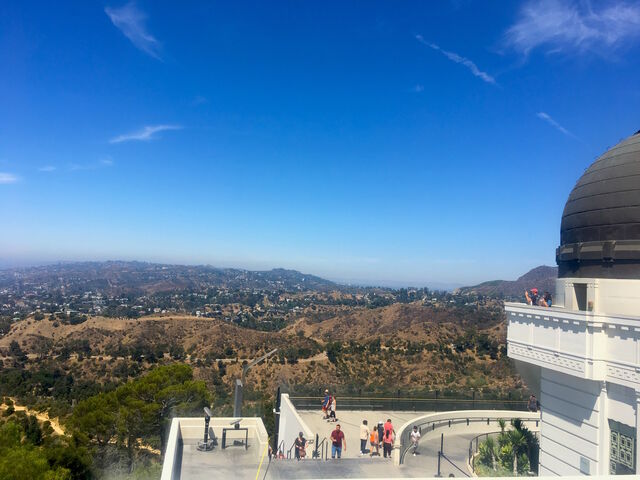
329 407
381 435
533 298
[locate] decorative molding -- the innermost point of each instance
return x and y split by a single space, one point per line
627 374
555 359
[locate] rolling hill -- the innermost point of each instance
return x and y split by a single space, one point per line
542 277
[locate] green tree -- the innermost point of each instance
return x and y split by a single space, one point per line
518 444
16 352
19 461
141 409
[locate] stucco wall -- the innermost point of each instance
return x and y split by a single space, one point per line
291 424
571 419
609 296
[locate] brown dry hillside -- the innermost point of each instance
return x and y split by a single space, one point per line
408 322
109 336
408 346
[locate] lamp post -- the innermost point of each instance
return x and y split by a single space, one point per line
237 401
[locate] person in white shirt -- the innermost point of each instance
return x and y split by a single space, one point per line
415 439
364 436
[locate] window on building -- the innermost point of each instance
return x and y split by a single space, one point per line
622 449
581 295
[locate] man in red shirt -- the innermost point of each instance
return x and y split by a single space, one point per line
337 441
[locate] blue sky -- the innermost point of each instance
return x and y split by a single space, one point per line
380 142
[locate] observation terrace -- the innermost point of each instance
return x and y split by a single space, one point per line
449 432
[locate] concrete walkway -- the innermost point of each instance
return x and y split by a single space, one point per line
350 421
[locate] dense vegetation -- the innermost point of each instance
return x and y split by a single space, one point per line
514 452
120 429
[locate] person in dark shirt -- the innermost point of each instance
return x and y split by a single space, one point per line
380 432
337 442
300 445
532 297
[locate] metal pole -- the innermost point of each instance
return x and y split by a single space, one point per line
440 453
237 401
276 412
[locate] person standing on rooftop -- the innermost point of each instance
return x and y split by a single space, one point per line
337 442
300 445
325 404
387 441
415 439
532 297
364 436
332 409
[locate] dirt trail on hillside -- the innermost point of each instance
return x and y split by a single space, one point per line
57 427
42 416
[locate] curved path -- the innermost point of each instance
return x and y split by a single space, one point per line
42 416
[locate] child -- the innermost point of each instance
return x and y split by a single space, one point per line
415 439
332 414
375 442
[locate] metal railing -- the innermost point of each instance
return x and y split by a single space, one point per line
425 404
472 452
476 440
321 449
279 449
427 425
289 451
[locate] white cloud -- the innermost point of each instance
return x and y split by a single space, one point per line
547 118
454 57
569 25
7 178
105 162
147 133
131 22
47 168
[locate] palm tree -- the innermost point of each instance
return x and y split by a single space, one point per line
490 445
518 443
503 424
517 424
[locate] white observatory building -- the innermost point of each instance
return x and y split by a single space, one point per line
585 349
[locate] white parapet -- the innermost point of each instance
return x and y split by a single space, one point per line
589 383
583 344
189 430
291 424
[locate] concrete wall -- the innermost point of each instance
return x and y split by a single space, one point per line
590 364
608 296
291 424
189 430
571 424
172 463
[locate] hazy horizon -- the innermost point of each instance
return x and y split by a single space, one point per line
8 264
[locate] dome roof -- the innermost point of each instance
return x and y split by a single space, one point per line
600 230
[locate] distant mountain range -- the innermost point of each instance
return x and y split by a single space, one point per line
542 277
124 277
117 277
